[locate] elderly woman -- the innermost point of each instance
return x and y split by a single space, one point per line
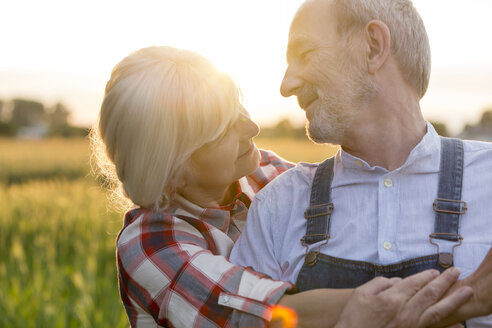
180 146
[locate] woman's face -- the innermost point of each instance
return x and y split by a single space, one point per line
221 162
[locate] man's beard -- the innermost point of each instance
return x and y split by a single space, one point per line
335 114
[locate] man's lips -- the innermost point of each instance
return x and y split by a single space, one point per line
304 103
306 97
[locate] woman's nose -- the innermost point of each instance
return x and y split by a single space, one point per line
250 128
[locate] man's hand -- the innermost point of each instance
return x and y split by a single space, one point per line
481 282
411 302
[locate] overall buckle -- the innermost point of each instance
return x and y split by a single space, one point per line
445 259
463 207
311 257
328 212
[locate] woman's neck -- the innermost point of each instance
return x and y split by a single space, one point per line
208 196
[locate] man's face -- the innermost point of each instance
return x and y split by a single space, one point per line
323 73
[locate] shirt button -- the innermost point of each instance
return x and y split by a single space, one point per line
387 245
388 183
359 163
226 299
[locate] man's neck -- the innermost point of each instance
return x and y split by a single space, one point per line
387 131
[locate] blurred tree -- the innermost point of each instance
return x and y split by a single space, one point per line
1 110
26 113
283 129
58 115
441 128
480 131
486 119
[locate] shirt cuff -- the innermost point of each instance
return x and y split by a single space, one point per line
256 295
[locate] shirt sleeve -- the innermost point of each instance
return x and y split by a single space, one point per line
256 245
167 271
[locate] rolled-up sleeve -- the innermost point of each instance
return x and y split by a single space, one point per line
168 272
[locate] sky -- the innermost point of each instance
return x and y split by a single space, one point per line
64 50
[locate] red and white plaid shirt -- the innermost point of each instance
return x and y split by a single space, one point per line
173 267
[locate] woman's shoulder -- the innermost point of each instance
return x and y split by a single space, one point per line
271 166
269 158
150 227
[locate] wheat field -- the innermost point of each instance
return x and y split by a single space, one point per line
58 232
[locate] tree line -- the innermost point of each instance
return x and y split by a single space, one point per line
32 119
479 131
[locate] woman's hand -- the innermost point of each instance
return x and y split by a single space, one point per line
411 302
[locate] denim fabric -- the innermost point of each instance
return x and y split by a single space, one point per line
324 271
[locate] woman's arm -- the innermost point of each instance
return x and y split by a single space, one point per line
169 275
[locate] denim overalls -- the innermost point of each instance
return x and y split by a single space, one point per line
323 271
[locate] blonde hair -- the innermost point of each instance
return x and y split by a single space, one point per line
160 105
409 41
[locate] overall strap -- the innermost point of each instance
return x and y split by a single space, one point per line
448 204
318 213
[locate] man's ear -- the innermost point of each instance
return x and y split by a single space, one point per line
378 39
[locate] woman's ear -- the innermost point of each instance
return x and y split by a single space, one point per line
378 39
178 181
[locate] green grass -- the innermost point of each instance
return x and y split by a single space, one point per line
297 150
57 256
57 236
23 160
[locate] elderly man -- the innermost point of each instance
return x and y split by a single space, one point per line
396 199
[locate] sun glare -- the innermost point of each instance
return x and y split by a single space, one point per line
286 315
67 43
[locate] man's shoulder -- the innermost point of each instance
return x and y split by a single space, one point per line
295 180
477 145
477 152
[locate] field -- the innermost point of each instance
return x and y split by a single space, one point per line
57 234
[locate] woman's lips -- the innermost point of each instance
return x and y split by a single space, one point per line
249 151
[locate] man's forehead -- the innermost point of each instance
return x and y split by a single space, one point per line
312 15
313 20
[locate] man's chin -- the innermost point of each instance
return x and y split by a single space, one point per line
317 137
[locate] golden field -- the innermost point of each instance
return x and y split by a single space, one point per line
57 233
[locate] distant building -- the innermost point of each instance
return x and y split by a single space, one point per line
37 131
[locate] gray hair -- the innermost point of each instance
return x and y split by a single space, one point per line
409 41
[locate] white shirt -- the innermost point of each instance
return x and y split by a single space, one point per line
380 216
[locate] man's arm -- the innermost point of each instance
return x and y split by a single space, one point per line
256 247
391 303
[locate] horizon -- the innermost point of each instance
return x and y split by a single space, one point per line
66 51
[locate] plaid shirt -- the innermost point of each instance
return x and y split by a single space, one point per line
173 267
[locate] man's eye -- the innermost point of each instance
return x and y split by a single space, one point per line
305 54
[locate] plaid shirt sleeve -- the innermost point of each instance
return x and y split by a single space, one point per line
271 166
171 274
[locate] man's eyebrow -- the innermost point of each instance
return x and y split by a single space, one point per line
298 44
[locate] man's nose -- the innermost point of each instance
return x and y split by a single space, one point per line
290 83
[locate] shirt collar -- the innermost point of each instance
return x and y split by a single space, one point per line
422 158
220 216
